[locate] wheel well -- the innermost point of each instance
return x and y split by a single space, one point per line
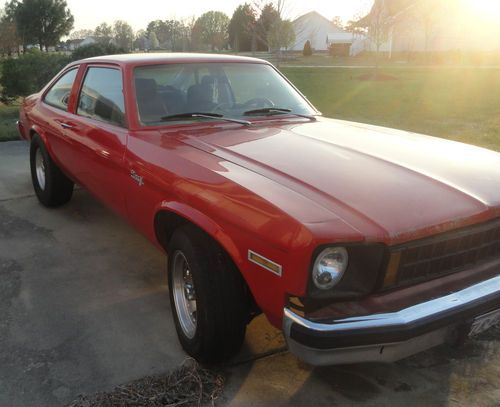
32 134
165 225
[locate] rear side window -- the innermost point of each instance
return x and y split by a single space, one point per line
58 95
101 97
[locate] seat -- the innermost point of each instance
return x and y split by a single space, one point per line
173 99
200 98
150 105
220 88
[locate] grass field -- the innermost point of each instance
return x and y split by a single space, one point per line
456 103
460 104
8 117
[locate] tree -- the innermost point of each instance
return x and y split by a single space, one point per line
242 27
269 17
123 34
378 23
307 51
95 50
43 21
141 41
211 29
170 34
11 14
337 21
81 34
9 40
160 29
429 13
153 41
281 36
103 33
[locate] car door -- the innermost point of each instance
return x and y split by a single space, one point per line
52 116
97 135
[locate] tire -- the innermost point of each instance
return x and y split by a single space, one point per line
51 186
221 296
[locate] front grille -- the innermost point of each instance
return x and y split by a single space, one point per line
448 253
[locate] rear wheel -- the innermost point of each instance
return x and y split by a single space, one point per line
51 186
208 296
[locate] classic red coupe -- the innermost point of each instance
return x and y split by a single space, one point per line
363 243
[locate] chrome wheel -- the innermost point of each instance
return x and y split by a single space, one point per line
40 169
184 294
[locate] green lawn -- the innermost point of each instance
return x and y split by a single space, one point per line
456 103
8 117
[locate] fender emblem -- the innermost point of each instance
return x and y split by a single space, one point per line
265 263
137 178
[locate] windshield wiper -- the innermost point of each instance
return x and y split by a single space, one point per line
277 110
205 116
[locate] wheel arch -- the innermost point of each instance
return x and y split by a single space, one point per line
38 131
172 215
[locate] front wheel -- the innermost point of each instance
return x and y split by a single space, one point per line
208 296
51 186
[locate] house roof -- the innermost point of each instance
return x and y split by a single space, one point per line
392 7
314 15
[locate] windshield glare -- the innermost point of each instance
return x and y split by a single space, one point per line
229 89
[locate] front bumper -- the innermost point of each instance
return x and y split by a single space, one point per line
20 129
390 336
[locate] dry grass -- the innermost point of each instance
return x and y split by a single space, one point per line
189 385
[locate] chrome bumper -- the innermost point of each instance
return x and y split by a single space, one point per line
390 336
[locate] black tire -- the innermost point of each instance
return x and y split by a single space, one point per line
58 188
222 298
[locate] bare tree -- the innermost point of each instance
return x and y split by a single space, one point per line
81 34
429 14
123 34
104 33
9 39
378 27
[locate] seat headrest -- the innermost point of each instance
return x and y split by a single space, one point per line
145 88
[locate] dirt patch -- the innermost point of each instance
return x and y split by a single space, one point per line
189 385
380 77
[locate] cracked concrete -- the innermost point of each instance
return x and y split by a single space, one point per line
84 307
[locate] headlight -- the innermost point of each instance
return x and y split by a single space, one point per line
329 267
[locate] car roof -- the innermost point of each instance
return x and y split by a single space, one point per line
169 58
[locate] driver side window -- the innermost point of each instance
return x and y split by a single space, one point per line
101 97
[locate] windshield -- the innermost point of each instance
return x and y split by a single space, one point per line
235 90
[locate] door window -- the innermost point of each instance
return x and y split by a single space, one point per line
101 97
58 95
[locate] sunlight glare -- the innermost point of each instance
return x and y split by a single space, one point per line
483 8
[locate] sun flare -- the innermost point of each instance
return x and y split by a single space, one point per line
483 8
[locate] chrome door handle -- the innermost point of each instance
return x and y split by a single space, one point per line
66 126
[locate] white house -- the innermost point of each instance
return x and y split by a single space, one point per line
315 28
411 27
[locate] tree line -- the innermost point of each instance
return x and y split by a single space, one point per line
256 26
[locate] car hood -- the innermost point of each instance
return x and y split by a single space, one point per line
380 181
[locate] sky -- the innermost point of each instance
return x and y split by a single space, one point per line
89 13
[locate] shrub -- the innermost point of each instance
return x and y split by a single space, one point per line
307 51
29 73
32 71
96 50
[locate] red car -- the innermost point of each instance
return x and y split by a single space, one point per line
363 243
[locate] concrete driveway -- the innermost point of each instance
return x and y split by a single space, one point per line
84 307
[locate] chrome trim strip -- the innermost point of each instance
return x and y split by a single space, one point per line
387 352
405 316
